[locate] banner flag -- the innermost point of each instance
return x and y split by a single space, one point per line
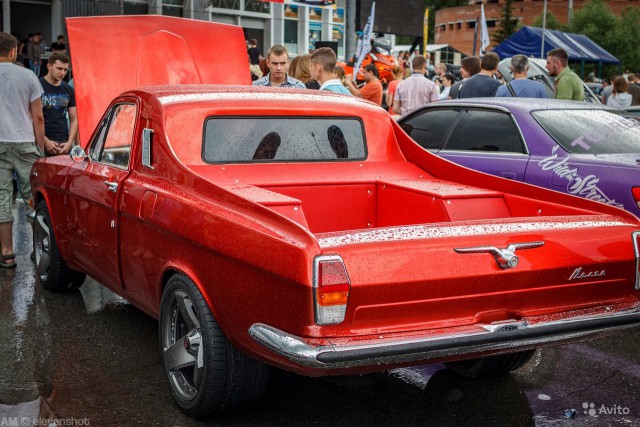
425 35
484 41
364 44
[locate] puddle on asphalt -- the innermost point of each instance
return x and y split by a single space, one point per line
418 376
98 298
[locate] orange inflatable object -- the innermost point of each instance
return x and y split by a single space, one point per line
385 64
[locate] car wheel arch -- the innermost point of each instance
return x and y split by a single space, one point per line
41 196
172 270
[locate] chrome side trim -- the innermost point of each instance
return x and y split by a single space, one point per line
634 236
492 153
500 337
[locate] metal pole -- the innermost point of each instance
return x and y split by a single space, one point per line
570 16
544 26
350 30
6 16
475 36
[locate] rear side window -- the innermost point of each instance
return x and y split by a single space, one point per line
430 127
282 139
592 131
479 130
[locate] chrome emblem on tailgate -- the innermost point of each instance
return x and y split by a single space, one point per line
506 258
579 274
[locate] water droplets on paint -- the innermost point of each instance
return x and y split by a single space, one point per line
421 232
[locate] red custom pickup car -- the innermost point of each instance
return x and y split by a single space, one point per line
307 231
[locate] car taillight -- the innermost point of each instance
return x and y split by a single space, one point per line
636 245
635 191
331 289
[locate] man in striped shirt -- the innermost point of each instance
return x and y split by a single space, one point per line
415 91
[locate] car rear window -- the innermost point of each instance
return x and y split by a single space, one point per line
592 131
282 139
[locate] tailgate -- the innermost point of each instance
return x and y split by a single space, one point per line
409 278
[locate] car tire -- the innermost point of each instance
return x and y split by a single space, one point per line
51 269
209 378
490 366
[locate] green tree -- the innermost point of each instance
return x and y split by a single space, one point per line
508 24
622 41
617 35
551 24
595 21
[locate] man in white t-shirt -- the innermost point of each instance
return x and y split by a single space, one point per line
21 137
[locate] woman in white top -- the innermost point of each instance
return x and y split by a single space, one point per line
619 96
447 81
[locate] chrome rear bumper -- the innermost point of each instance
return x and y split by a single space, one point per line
493 338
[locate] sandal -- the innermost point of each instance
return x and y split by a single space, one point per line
6 258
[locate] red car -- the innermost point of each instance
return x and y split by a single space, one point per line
306 230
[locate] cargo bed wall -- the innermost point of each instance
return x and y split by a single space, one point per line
386 203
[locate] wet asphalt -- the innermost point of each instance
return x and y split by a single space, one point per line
90 358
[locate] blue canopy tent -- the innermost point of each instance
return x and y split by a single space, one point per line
528 40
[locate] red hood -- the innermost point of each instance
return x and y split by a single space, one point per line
114 54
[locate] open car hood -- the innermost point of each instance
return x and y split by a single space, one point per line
113 54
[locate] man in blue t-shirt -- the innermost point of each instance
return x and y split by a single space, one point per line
58 107
520 86
482 84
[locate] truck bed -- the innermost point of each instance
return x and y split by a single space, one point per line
388 195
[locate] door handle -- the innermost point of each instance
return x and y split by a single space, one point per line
112 186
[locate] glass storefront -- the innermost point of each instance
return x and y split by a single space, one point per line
291 28
315 27
339 31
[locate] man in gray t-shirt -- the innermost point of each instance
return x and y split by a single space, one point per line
21 137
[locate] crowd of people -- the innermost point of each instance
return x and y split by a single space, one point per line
31 49
411 86
622 90
37 118
38 115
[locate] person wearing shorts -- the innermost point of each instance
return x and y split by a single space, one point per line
21 137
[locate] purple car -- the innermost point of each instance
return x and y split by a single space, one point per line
588 150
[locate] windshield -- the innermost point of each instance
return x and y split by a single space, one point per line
592 131
273 139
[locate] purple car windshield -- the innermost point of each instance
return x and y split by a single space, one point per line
592 131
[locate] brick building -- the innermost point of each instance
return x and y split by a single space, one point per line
455 25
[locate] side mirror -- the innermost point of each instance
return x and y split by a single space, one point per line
77 154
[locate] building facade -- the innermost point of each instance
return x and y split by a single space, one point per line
456 25
295 26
